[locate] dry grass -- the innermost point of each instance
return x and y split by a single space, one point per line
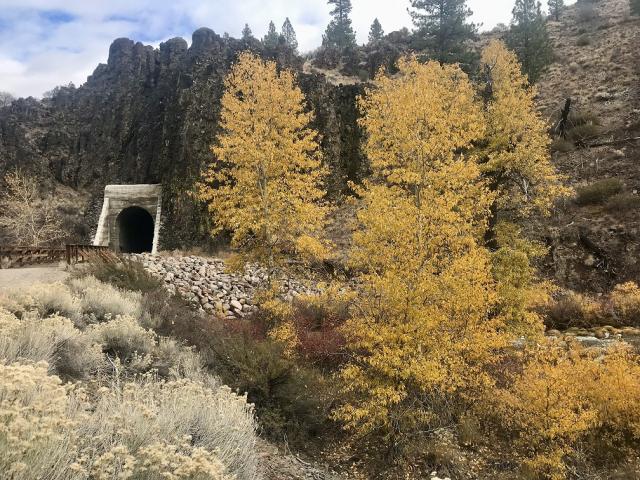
149 410
101 301
54 340
145 430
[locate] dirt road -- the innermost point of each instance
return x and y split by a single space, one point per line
23 277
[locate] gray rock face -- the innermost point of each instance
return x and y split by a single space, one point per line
150 116
207 285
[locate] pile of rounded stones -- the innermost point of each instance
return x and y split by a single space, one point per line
205 282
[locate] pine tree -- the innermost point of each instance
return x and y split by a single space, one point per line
443 30
635 6
555 8
247 34
289 35
529 38
268 195
376 33
339 32
271 39
422 334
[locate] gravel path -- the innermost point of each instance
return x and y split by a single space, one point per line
24 277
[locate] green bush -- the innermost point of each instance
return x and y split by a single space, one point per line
598 192
623 202
578 118
292 401
123 273
581 125
583 41
562 145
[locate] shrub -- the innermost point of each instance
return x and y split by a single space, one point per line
598 192
145 430
47 299
125 339
562 145
35 432
580 133
625 302
139 415
623 202
577 118
566 401
574 310
317 321
103 301
123 273
291 397
583 40
54 340
291 400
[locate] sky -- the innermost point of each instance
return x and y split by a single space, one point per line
45 43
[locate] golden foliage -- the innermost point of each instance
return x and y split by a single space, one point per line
518 290
265 183
572 400
421 333
625 302
418 120
516 156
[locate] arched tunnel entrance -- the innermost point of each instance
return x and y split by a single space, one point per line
135 228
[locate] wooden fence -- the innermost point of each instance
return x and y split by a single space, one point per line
17 256
82 253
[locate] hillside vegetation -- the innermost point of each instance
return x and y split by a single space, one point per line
429 272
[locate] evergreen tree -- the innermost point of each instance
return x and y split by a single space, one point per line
635 7
247 34
376 33
289 35
271 39
339 32
443 29
529 38
555 8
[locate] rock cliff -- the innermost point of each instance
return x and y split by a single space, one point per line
150 115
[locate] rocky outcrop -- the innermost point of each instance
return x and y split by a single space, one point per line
150 116
206 283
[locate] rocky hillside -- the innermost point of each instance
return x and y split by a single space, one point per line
595 243
150 115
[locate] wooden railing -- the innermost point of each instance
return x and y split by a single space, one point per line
21 256
18 256
82 253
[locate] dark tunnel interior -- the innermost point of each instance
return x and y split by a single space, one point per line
135 227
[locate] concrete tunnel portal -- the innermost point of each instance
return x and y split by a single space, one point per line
130 218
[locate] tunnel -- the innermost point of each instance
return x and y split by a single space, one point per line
135 228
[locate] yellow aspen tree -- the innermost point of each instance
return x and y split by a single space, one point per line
515 159
422 334
265 185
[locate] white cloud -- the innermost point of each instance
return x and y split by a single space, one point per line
44 43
